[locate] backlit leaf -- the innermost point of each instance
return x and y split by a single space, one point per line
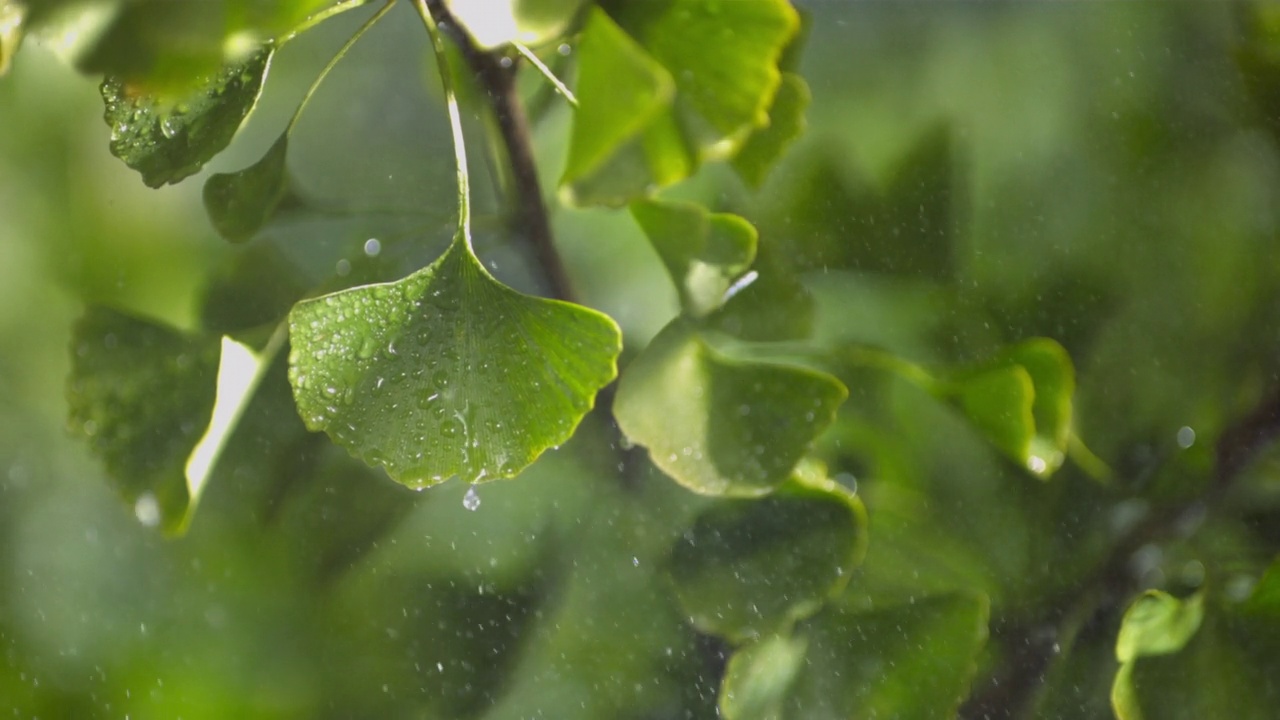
717 425
447 372
168 140
704 252
758 677
766 145
11 31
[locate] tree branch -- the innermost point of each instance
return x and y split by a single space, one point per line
495 75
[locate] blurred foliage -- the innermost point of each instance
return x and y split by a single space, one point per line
1064 212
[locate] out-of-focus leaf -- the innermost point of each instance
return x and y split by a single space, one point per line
258 288
240 203
704 252
766 145
913 661
12 15
901 224
751 567
656 97
447 372
717 425
168 140
1158 624
758 677
1022 402
159 407
1207 656
532 22
141 394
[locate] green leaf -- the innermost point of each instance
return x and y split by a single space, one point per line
913 661
621 91
1022 402
240 203
447 372
1206 656
1158 624
656 97
758 677
159 407
777 306
141 394
717 425
704 252
766 145
751 567
12 16
168 140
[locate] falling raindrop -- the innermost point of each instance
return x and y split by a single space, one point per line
147 509
1186 437
471 500
372 247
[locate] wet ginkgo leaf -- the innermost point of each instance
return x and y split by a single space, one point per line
704 252
765 146
718 425
166 140
447 372
758 676
241 202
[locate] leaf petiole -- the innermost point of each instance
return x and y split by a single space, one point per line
546 73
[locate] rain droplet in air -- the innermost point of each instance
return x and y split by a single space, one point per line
471 500
147 509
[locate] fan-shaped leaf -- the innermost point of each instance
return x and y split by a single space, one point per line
721 426
447 372
766 145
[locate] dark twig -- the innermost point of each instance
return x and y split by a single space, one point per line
1011 694
495 74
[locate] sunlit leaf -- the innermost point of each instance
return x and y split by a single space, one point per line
758 677
168 140
766 145
704 252
1158 624
240 203
1022 402
911 661
750 567
621 91
717 425
656 97
142 394
447 372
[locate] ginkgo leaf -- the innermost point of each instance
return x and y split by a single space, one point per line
656 98
758 676
717 425
168 140
447 372
12 16
142 394
751 567
704 252
765 146
1022 402
241 202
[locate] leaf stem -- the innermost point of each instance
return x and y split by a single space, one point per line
495 74
546 73
320 17
455 119
337 57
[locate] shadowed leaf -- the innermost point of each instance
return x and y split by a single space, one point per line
240 203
